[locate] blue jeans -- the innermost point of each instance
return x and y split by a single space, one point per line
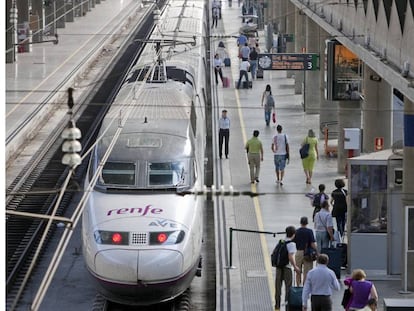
253 68
267 116
322 240
243 73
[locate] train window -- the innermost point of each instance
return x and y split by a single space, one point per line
166 173
116 173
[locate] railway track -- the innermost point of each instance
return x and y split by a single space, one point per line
35 190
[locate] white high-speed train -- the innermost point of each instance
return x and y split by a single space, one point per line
142 241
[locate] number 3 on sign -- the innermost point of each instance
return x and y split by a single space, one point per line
309 65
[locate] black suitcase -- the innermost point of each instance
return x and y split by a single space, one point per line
227 62
344 251
247 86
335 259
259 74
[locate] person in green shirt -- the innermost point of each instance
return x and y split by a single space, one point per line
254 150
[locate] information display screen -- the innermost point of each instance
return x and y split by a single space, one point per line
289 61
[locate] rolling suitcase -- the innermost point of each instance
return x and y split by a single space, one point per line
247 85
335 259
259 74
344 251
294 302
227 62
226 82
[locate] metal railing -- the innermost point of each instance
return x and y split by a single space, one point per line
246 230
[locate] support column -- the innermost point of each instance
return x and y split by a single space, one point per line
23 11
290 29
70 11
282 16
37 20
349 116
290 26
60 13
328 112
300 43
276 15
377 111
50 18
312 81
408 186
23 24
11 35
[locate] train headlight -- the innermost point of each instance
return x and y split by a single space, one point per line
111 237
166 237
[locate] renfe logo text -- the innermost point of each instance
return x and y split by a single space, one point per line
140 211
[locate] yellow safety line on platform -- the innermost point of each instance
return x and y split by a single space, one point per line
258 212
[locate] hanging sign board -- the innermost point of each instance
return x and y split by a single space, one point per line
289 61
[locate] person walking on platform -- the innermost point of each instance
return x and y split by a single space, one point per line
339 205
318 199
224 134
323 227
319 284
222 51
280 148
244 68
308 163
245 51
253 62
241 40
268 102
284 274
361 290
215 16
304 239
218 64
254 150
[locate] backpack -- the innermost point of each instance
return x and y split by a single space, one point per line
317 200
280 255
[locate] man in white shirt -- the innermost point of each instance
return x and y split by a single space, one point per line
280 148
244 68
284 274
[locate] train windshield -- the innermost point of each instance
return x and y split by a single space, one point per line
118 173
172 173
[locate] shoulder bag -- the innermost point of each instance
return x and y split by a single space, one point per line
304 150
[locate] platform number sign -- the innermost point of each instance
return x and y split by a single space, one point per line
289 61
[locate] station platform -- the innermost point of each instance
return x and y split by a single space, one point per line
248 282
250 277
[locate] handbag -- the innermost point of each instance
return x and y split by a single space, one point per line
274 117
309 254
304 150
346 298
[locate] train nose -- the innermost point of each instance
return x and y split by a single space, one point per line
132 266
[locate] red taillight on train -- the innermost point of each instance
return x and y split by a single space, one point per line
117 238
162 237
